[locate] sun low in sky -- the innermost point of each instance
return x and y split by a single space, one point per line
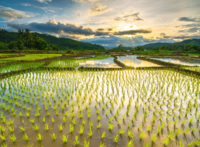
105 22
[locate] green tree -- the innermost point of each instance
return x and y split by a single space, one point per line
20 44
40 44
13 45
28 37
139 48
119 47
163 47
174 46
21 34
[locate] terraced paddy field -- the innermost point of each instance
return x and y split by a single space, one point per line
98 109
194 68
19 66
31 57
98 61
180 61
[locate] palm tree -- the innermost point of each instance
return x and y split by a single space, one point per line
21 33
174 46
119 47
27 36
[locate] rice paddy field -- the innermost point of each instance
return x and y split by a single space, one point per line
19 66
74 62
115 108
180 61
195 68
29 57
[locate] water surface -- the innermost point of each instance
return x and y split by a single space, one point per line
182 61
102 63
132 61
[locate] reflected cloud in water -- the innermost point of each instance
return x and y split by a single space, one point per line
188 62
132 61
103 63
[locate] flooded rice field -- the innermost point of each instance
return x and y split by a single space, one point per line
132 61
99 61
103 63
19 66
98 109
181 61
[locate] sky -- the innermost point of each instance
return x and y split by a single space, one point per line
105 22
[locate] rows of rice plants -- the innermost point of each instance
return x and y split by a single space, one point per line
19 66
194 68
30 57
98 109
66 63
73 62
5 61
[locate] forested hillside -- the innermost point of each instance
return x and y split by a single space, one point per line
10 40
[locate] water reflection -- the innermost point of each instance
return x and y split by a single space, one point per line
85 56
182 61
132 61
103 63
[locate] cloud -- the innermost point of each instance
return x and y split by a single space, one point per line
193 25
25 4
190 30
105 29
180 37
82 1
71 29
129 18
42 8
189 19
44 1
183 37
9 13
162 35
132 32
79 14
97 10
113 41
53 27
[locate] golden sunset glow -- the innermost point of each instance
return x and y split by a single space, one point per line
125 22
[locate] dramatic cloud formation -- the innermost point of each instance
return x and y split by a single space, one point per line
119 21
192 27
53 27
129 18
132 32
113 41
97 10
9 13
190 19
59 28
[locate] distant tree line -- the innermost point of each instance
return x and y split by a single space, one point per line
178 47
27 40
24 39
